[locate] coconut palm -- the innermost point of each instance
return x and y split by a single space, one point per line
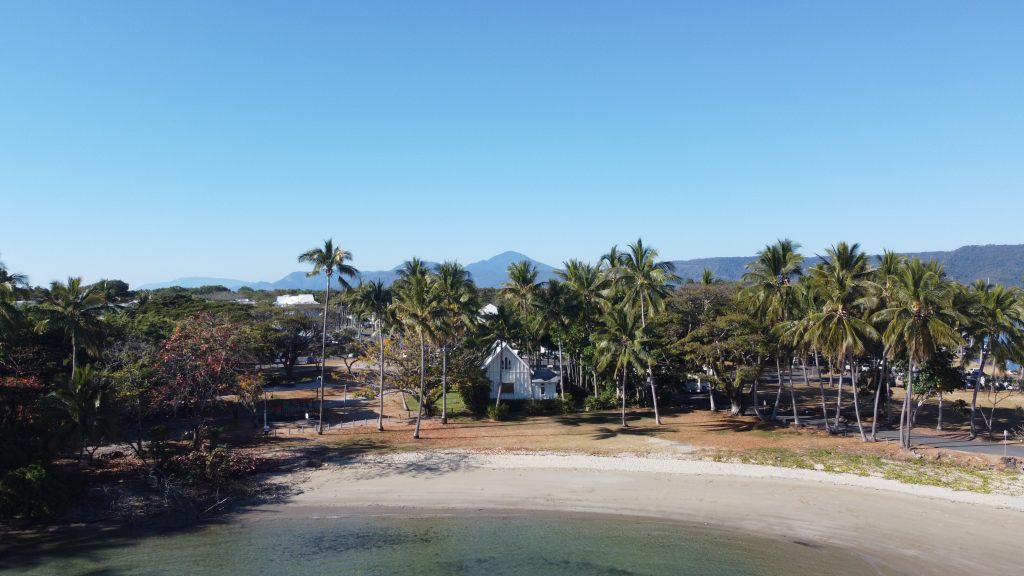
555 305
796 334
769 289
85 407
328 259
920 320
373 301
644 282
707 278
521 289
997 317
75 311
417 309
839 327
457 297
621 344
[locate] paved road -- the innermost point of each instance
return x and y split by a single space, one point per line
959 442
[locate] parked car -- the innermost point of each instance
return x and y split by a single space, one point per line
696 387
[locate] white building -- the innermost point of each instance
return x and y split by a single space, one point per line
296 300
507 370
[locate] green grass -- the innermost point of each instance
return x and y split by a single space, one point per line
455 404
923 472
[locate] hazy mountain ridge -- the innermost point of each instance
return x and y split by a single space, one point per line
997 263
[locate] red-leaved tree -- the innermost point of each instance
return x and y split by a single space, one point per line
201 362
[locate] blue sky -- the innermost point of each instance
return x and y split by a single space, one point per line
152 140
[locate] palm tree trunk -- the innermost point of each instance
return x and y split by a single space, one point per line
939 425
856 404
839 392
974 396
624 425
323 354
74 355
753 392
380 341
778 393
419 415
650 369
561 373
792 395
444 384
821 389
907 404
878 394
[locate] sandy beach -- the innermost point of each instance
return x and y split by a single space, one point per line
896 528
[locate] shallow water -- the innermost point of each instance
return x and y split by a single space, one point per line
392 546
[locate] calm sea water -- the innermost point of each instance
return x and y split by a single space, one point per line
491 546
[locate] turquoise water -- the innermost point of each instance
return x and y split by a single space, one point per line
492 546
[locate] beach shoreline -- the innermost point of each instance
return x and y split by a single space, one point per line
896 528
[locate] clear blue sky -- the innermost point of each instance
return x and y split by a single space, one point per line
152 140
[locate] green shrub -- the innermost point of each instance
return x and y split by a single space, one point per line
606 401
475 396
32 492
498 413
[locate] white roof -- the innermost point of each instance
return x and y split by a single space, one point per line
290 300
489 310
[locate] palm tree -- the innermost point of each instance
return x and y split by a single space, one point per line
997 317
797 335
555 313
920 321
769 289
521 289
588 286
621 344
707 278
74 310
416 307
10 286
85 406
457 297
329 259
373 301
839 326
645 283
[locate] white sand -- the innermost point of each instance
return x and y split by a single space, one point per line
900 529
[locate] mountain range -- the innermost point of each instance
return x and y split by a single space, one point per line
995 263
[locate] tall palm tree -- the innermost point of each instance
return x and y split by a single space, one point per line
328 259
621 344
416 307
920 320
645 284
555 310
521 289
373 301
997 317
839 326
74 310
588 285
457 298
769 289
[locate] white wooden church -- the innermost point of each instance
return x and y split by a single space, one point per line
510 373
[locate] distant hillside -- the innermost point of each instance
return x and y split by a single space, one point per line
490 273
1003 264
998 263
